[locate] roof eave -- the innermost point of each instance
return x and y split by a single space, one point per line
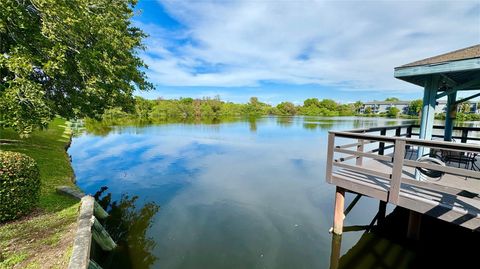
407 72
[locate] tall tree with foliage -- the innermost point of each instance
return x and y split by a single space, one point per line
287 108
415 106
393 112
392 99
72 58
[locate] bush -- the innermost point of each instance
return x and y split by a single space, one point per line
19 185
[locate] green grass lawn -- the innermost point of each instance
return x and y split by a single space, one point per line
42 239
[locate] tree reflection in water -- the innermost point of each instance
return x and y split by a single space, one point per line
128 225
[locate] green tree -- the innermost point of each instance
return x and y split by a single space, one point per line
392 99
415 107
287 108
143 107
357 105
328 104
393 112
465 107
311 102
255 107
368 110
70 58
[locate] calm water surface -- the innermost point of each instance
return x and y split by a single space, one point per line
242 194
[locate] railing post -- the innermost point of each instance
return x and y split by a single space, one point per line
398 131
330 148
381 145
409 131
464 135
395 183
360 148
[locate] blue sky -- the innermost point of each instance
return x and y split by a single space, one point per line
292 50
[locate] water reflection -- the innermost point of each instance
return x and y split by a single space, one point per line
128 223
237 194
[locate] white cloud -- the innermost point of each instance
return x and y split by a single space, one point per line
349 44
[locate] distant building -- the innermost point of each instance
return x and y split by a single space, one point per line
378 107
383 106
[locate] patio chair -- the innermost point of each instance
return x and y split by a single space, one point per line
458 157
430 174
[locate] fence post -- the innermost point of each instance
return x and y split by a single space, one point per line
381 145
395 183
464 135
398 131
330 153
360 148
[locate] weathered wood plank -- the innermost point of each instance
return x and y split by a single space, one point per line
360 149
93 265
363 170
447 67
352 204
330 148
446 169
101 236
397 171
80 258
363 187
99 212
365 154
338 216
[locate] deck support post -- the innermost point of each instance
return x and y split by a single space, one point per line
338 216
335 254
414 224
428 114
450 116
382 212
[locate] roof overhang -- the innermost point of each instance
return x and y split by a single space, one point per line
453 72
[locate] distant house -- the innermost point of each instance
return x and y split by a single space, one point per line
377 107
383 106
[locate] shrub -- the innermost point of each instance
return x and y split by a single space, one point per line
19 185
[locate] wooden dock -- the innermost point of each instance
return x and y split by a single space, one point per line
381 163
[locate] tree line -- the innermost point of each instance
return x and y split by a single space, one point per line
201 108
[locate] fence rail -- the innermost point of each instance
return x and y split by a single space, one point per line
390 153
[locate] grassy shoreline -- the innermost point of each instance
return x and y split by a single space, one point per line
44 238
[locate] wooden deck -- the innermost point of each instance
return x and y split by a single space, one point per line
388 173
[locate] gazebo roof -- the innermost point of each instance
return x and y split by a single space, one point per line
461 54
456 68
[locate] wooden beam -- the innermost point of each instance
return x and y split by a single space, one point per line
360 148
469 85
449 80
99 212
450 116
330 155
93 265
336 250
101 236
338 216
446 67
398 159
365 154
352 204
467 98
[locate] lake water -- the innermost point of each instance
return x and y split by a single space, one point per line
239 194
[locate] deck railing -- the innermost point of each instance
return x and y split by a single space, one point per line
389 148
